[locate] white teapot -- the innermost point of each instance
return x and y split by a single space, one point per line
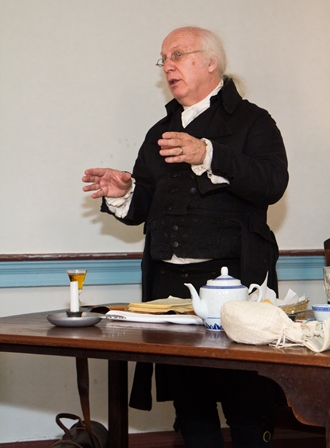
215 293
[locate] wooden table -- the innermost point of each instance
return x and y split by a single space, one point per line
303 374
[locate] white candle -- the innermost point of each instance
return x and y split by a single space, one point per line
74 297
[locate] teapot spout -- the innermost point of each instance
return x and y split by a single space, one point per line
199 307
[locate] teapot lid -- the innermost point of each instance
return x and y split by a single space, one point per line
225 280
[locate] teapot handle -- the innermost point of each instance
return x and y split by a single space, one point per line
258 287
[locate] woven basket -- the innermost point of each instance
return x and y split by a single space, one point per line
298 307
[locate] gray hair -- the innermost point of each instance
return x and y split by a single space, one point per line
214 50
211 44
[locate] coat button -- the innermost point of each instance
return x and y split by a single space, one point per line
193 190
175 228
175 244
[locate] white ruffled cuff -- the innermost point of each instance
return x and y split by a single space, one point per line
119 206
206 165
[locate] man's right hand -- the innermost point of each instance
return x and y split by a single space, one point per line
107 182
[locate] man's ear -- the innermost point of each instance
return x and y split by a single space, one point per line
212 65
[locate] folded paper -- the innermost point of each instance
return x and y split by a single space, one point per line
268 295
162 306
182 319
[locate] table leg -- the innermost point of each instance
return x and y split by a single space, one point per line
307 389
118 404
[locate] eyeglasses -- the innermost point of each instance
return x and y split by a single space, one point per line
175 57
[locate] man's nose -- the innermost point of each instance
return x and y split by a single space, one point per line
169 65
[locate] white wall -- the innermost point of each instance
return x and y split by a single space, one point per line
79 88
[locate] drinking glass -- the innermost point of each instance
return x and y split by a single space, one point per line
326 281
77 275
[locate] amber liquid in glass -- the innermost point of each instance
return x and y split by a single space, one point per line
80 278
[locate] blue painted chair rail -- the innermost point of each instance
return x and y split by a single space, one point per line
17 274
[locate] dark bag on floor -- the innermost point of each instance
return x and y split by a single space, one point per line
87 433
78 435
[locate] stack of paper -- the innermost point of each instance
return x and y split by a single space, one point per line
162 306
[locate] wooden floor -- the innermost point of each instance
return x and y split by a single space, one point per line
283 438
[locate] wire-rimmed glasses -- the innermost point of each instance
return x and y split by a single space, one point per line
175 57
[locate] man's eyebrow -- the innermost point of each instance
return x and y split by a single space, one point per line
174 50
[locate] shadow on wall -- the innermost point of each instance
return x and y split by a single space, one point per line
108 224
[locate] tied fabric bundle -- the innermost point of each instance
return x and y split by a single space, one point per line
261 323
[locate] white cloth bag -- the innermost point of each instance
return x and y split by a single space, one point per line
261 323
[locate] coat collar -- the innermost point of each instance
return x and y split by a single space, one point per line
203 126
228 97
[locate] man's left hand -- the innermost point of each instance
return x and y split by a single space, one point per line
179 147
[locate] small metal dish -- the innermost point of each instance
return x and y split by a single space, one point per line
63 320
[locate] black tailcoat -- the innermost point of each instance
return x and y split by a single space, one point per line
248 150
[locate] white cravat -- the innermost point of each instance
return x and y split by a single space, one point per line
191 112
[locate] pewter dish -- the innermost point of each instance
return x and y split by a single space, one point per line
62 320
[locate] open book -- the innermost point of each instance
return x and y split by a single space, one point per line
171 305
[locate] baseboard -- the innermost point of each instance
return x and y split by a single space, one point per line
283 438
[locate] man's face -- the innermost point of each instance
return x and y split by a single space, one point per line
190 78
